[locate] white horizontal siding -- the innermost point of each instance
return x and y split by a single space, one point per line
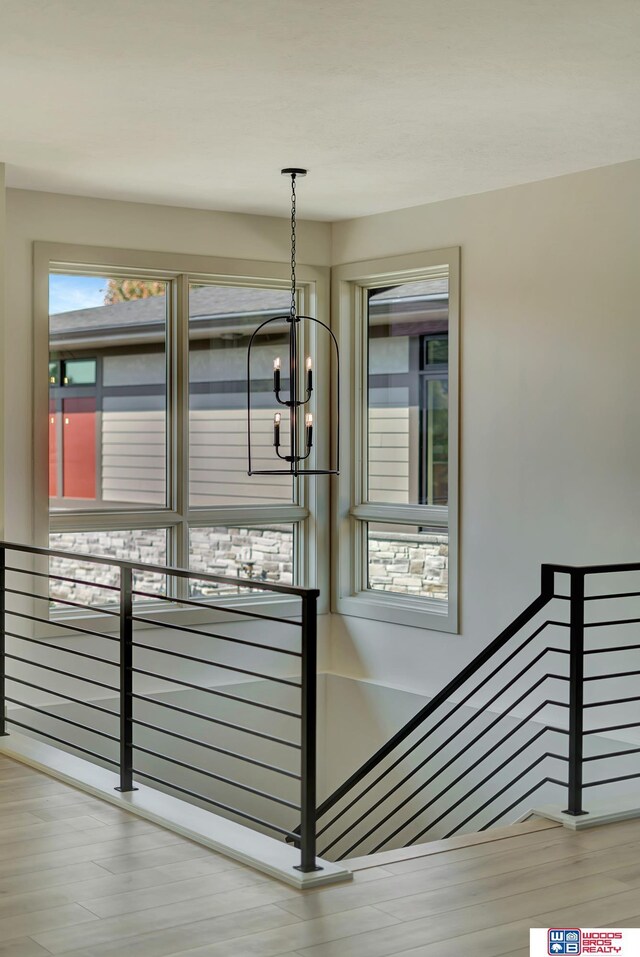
133 457
389 462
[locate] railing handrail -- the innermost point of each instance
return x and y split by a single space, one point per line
439 699
593 569
168 570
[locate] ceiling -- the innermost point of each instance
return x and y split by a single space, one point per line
390 103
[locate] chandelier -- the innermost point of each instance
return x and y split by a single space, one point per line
297 426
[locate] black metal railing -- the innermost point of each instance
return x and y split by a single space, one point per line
154 677
512 724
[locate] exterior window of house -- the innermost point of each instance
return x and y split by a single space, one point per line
397 501
147 456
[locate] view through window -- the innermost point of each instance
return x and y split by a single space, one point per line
116 445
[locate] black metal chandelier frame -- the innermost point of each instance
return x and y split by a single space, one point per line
294 403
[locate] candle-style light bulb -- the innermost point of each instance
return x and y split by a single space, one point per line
308 365
276 429
276 374
308 422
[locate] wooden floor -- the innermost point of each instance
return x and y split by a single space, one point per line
79 877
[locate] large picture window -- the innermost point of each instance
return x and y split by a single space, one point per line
396 547
146 440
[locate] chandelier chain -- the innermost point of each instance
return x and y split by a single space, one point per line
292 308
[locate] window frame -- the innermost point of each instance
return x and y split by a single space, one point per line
352 511
309 510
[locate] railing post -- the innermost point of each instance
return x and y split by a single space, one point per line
547 581
3 661
126 680
576 692
308 734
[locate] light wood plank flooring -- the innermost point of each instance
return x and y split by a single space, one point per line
81 878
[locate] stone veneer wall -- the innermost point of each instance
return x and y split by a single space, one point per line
262 553
414 564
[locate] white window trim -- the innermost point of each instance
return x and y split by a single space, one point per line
311 511
350 510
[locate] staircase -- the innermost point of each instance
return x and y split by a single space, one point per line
530 720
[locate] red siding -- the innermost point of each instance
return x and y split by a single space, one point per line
79 448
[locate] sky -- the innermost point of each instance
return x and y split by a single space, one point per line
67 293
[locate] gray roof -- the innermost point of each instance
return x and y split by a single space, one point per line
205 302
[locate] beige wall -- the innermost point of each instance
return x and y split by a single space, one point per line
550 399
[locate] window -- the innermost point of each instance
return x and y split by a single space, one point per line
398 323
146 417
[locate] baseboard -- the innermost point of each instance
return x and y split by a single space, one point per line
259 851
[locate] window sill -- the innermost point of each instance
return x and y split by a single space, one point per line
425 613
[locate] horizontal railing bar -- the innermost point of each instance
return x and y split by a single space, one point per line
487 777
249 583
622 594
438 724
444 744
216 664
622 777
218 804
58 671
612 754
605 704
447 810
59 717
224 724
210 634
437 701
614 727
218 777
53 737
205 605
61 578
218 694
424 784
69 651
616 674
65 697
64 601
491 799
615 621
214 747
562 784
603 651
444 767
61 624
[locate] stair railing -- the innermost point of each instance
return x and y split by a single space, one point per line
129 654
412 780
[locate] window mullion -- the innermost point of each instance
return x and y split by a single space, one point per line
180 425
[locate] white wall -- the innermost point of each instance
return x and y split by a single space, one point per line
49 217
550 347
3 328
